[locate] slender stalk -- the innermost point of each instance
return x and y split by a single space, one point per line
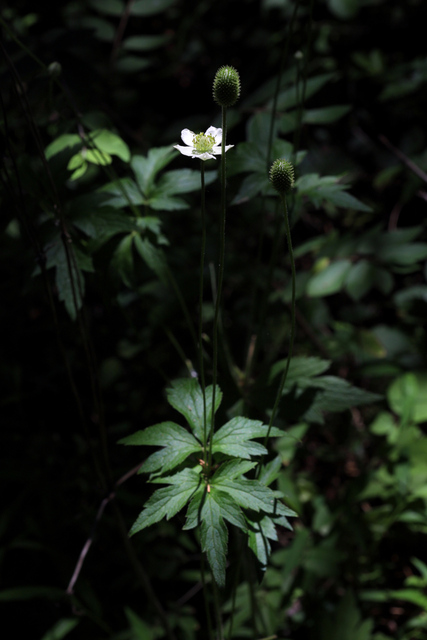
220 278
292 336
217 605
202 268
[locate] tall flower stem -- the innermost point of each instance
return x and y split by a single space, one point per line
292 336
202 268
220 278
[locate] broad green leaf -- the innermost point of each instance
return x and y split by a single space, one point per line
132 64
232 469
194 511
325 115
183 181
109 7
360 279
214 537
414 596
69 263
147 167
140 629
103 29
66 141
166 502
122 261
150 7
251 494
270 471
229 509
75 162
335 395
162 202
290 97
247 158
177 442
154 258
404 254
330 280
260 531
234 438
122 193
320 190
95 156
61 629
109 143
300 367
79 172
144 43
104 222
185 395
407 396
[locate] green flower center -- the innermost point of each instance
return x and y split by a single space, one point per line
202 142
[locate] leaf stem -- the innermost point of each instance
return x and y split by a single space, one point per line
220 278
292 336
202 268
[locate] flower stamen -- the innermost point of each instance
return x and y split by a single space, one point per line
203 142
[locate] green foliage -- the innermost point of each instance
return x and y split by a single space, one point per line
100 254
213 494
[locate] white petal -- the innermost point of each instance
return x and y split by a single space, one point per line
205 156
186 151
217 150
216 133
187 137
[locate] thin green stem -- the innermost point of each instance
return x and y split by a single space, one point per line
202 268
292 337
284 57
217 606
220 279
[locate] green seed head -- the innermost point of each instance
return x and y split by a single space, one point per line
282 176
226 86
203 143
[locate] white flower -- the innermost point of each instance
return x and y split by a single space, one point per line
202 145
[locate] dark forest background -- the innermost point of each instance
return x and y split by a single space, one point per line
93 334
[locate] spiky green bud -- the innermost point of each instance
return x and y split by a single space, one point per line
226 86
282 176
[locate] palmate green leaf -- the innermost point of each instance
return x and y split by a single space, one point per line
69 273
320 189
230 510
335 395
122 193
154 258
260 531
147 167
166 502
104 222
234 438
330 280
251 494
177 445
214 538
185 395
270 471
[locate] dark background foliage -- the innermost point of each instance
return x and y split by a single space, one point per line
72 387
